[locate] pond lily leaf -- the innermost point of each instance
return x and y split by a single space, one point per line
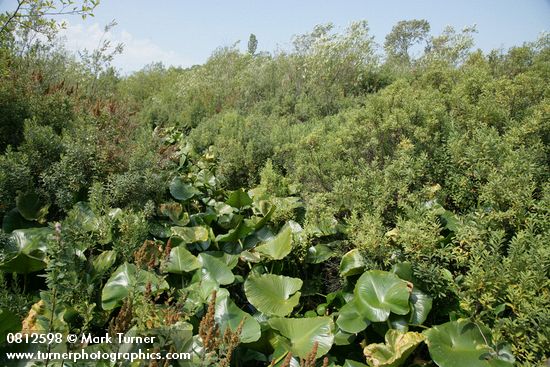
228 259
304 332
222 208
281 350
180 261
377 293
238 199
31 207
214 269
191 234
319 253
398 322
421 306
461 343
259 222
352 263
82 214
175 212
251 257
228 315
14 220
273 294
103 262
343 338
25 252
206 178
182 191
121 282
242 230
403 270
279 246
350 319
350 363
395 351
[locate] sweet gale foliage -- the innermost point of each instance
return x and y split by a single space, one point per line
329 205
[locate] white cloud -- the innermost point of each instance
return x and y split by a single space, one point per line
137 53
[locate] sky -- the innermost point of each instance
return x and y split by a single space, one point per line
184 33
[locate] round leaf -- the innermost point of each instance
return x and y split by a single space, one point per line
214 269
350 319
228 315
181 261
304 332
30 206
239 199
319 253
181 190
352 263
395 351
25 252
175 212
279 246
123 280
273 294
191 234
13 220
421 306
104 261
350 363
461 343
377 293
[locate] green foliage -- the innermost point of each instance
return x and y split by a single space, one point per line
459 342
360 197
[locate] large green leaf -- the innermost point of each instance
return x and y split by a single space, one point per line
214 269
243 229
125 279
181 261
239 199
279 246
191 234
352 263
377 293
304 332
103 262
175 212
273 294
350 363
461 343
31 207
395 351
228 315
182 191
25 252
403 270
82 214
350 319
228 259
421 306
14 220
319 253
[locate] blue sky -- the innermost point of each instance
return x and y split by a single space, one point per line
186 32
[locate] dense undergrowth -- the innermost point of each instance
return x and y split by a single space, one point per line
329 201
